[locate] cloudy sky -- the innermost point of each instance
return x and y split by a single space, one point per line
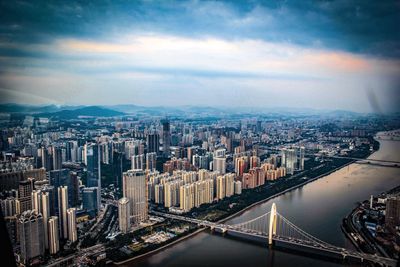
314 54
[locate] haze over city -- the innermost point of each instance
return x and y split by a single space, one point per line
323 55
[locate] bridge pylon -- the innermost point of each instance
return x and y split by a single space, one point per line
272 224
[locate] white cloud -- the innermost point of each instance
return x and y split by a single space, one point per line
157 69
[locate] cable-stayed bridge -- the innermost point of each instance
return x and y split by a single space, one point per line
277 231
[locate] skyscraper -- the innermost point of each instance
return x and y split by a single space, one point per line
151 161
89 199
36 197
64 177
57 157
9 206
134 188
137 162
52 227
31 236
93 168
219 165
153 143
301 157
45 208
124 215
289 160
71 221
166 137
62 210
25 195
221 187
187 196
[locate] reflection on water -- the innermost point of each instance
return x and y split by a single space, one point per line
317 208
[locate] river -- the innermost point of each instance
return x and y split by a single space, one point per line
317 208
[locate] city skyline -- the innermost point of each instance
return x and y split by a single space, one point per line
331 55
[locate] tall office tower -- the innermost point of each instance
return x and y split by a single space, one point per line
52 226
124 215
151 161
254 162
166 137
31 237
289 160
71 224
62 210
45 210
68 178
229 184
74 151
117 167
392 213
25 195
53 199
9 206
134 188
187 197
58 178
73 189
302 152
258 127
238 187
89 199
47 159
57 157
93 169
153 143
68 146
137 162
104 153
221 187
37 200
219 165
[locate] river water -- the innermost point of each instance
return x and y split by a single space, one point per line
317 208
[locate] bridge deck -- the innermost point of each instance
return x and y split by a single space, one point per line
311 245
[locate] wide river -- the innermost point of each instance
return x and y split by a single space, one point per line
317 208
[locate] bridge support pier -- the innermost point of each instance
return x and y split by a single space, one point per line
272 224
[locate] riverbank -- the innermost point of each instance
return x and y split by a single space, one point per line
354 226
160 248
231 216
241 211
283 192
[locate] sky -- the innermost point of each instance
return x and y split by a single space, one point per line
303 54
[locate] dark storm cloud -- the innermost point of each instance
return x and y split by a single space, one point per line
367 27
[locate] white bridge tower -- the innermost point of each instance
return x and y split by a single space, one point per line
272 224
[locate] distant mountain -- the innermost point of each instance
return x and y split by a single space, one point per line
20 108
179 111
92 111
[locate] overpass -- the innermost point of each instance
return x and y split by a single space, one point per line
276 231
